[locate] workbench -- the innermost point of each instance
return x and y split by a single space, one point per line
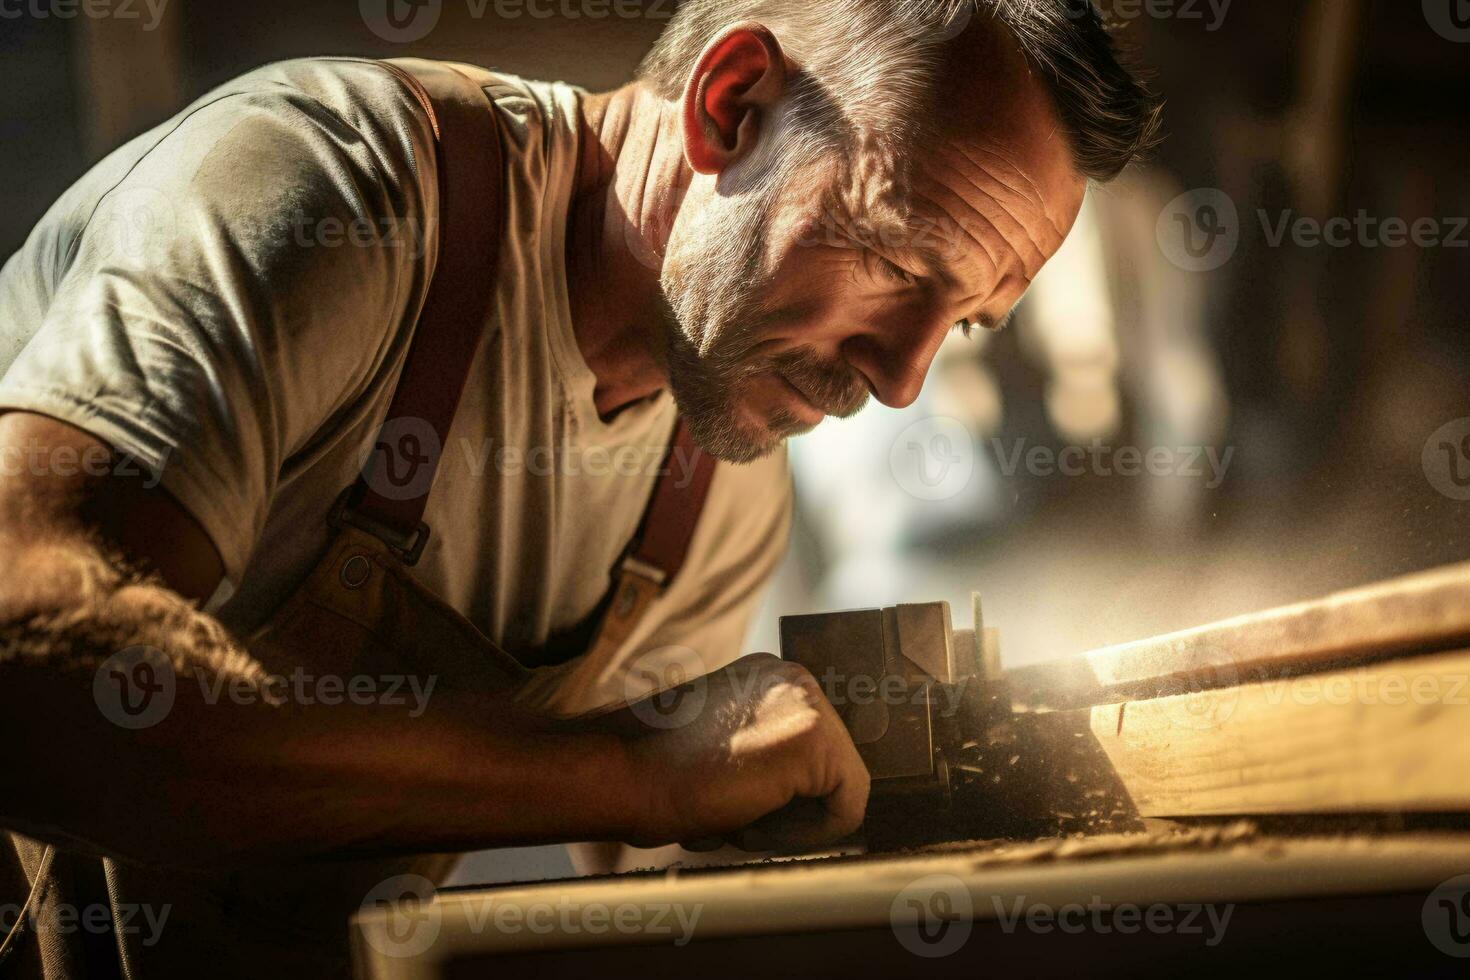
1288 790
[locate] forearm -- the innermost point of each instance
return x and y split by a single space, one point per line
227 782
228 779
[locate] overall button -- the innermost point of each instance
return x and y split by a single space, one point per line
356 570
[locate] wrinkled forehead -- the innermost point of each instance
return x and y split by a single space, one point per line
980 99
987 163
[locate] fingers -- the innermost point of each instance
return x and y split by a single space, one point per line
833 798
703 845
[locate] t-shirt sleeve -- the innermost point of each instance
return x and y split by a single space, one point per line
231 288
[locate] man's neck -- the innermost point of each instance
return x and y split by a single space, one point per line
631 179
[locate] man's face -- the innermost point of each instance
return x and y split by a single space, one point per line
787 308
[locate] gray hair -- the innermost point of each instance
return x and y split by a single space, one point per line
868 71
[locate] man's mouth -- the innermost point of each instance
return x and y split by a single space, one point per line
806 410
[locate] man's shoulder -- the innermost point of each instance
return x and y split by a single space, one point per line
362 93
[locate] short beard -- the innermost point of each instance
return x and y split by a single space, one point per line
711 278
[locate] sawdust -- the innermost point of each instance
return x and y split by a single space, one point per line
1166 841
992 853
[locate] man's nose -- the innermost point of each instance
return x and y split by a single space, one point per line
895 362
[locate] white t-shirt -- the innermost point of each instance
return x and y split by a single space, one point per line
229 297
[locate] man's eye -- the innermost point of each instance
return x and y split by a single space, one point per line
896 272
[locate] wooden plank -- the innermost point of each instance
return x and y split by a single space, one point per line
1419 613
1393 736
457 934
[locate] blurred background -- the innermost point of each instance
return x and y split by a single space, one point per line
1243 383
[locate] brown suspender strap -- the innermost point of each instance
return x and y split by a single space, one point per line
388 501
663 537
655 556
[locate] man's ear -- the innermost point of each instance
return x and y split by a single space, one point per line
739 77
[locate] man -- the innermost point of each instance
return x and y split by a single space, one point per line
784 215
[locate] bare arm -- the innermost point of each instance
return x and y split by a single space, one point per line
239 780
229 781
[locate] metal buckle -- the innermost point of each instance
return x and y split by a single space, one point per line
632 565
627 589
408 547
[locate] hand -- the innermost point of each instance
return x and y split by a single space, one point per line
753 753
